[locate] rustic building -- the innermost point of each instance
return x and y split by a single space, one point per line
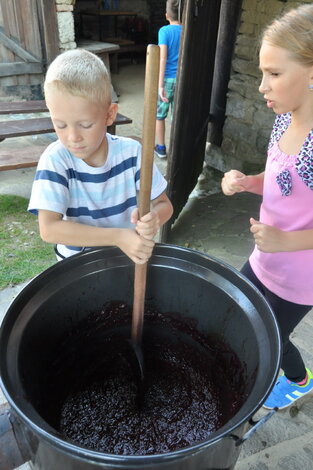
28 41
220 117
248 122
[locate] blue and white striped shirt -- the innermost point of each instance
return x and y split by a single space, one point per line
100 196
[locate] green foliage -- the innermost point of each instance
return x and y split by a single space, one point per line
22 252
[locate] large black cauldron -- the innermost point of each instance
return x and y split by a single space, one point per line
211 293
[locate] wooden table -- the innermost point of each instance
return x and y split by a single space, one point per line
102 49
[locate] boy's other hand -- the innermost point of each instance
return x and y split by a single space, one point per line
137 248
148 225
162 95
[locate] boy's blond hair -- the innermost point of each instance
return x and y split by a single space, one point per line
80 73
293 32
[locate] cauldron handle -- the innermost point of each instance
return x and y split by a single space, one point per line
255 426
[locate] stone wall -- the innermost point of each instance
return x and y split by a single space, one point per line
248 122
65 20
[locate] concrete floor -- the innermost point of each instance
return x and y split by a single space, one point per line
219 226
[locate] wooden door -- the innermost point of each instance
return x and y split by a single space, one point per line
208 38
28 43
192 102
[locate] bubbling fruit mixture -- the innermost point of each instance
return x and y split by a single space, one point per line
190 386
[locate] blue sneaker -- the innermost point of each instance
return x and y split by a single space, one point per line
285 392
160 151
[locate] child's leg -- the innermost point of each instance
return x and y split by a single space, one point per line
288 315
297 380
162 110
172 94
160 132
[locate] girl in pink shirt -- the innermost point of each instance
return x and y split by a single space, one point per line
281 265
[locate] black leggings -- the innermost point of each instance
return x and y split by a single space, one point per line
288 315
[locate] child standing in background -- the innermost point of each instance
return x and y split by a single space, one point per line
281 265
169 42
87 182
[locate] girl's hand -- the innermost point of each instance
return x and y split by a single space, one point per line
233 182
136 247
267 238
148 225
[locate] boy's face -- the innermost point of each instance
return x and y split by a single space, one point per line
81 125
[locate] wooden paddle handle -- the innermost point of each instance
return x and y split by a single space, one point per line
148 133
147 156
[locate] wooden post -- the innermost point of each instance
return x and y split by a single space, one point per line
192 102
229 16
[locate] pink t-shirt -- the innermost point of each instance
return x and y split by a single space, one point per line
288 275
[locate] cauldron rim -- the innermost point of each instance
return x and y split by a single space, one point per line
224 432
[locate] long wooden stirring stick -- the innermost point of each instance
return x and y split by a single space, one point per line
148 141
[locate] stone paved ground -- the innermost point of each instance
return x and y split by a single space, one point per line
219 226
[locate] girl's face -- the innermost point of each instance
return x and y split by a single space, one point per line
81 125
285 82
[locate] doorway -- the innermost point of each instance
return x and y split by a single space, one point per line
129 24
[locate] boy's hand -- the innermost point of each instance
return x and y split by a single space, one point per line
137 248
162 94
233 182
267 238
148 225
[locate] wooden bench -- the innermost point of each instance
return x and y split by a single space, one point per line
24 107
27 157
43 125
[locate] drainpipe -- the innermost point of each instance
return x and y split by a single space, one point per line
230 13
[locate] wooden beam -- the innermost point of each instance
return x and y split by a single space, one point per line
20 68
23 107
227 33
192 103
16 48
48 29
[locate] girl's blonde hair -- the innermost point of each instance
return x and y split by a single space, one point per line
294 32
80 73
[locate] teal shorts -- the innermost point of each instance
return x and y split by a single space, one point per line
162 108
